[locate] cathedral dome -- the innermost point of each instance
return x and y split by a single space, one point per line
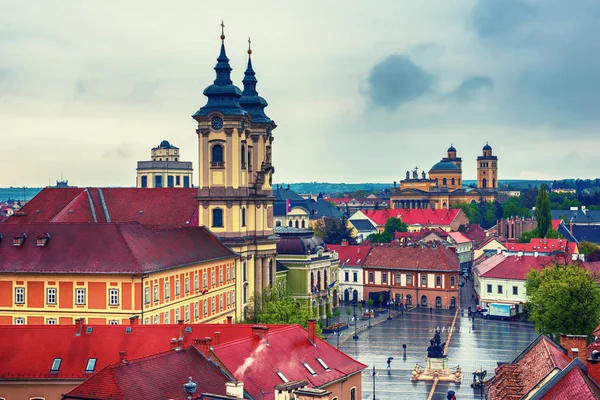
165 143
451 149
444 166
487 147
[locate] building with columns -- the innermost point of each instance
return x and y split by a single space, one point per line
444 185
234 192
164 169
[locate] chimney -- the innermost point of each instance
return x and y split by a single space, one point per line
575 345
261 331
229 318
79 325
571 228
204 346
344 243
235 389
123 357
312 330
217 338
519 254
593 366
134 320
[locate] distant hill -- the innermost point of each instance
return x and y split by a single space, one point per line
18 193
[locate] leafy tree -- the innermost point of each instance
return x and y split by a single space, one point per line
334 230
587 247
276 306
337 314
393 225
513 207
535 233
370 303
349 313
384 237
471 210
563 299
542 212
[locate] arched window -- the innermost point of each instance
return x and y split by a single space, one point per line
353 394
444 182
303 224
290 223
438 301
243 157
217 218
277 223
493 183
452 280
408 300
217 155
296 224
484 183
423 301
452 302
452 182
243 217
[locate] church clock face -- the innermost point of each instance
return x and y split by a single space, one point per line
216 123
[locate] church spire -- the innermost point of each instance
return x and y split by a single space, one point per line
250 100
223 95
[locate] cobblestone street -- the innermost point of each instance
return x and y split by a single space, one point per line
474 344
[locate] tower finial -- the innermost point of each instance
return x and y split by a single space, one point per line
222 31
249 46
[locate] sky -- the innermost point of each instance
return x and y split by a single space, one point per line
360 91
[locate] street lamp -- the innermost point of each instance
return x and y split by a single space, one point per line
337 334
389 305
355 337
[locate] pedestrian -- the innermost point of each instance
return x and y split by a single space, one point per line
430 310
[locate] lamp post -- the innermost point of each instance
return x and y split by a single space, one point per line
337 334
355 337
389 305
373 381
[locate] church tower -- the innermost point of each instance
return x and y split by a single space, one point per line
452 157
235 195
487 169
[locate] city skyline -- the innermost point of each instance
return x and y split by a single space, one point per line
87 90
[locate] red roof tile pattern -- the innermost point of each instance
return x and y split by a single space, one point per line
154 207
543 246
473 231
27 351
575 384
459 238
514 380
413 258
81 248
256 363
502 266
350 255
157 377
416 216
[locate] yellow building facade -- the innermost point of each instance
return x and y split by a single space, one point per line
235 175
444 185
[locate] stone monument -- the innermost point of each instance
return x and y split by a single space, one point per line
436 364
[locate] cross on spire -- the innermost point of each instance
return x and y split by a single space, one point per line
249 46
222 31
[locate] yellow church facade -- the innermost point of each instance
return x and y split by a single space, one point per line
444 185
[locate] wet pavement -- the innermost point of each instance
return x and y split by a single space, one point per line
474 344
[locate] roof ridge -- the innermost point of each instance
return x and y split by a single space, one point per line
66 207
128 247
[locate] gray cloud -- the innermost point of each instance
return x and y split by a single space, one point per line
118 153
494 18
397 80
470 88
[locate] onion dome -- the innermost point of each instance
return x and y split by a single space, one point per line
487 147
451 149
223 95
444 166
250 100
165 144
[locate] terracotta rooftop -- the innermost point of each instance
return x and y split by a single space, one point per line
416 216
412 258
81 248
350 255
501 266
459 237
543 246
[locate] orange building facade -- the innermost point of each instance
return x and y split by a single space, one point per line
59 282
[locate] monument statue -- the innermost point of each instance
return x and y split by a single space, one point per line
436 348
407 175
416 173
423 175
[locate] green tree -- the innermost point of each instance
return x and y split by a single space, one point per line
513 207
542 212
384 237
535 233
587 247
349 312
334 230
393 225
471 210
370 303
563 299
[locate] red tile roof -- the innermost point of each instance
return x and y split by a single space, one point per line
412 258
350 255
473 231
502 266
575 384
27 351
256 363
157 377
459 237
530 367
416 216
544 246
160 207
81 248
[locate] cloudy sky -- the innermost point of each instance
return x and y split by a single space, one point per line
361 91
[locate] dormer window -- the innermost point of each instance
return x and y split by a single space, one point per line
323 364
19 239
91 365
282 377
56 365
42 239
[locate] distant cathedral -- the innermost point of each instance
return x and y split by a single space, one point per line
444 186
164 169
235 196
